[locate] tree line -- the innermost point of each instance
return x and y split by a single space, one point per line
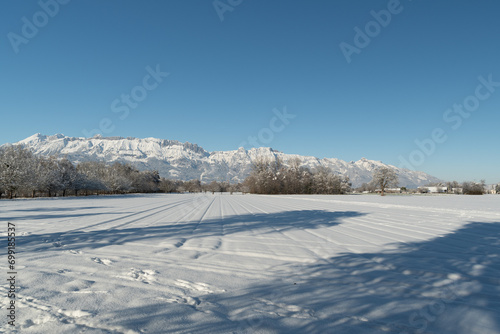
273 177
22 174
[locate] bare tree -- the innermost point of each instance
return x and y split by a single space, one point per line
385 177
266 176
322 178
292 177
22 173
345 184
168 186
10 174
193 186
117 178
213 187
325 181
273 177
68 175
15 169
452 185
369 187
306 180
93 173
474 188
152 178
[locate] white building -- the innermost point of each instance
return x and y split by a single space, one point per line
492 188
433 190
389 190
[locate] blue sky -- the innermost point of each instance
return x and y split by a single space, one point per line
228 78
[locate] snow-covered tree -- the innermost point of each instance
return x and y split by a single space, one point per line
266 177
321 180
50 176
474 188
273 177
145 181
193 186
93 174
213 187
385 177
69 176
169 186
292 176
326 182
15 169
345 184
23 173
117 178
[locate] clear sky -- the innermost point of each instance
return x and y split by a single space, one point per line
361 78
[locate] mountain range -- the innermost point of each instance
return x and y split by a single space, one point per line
186 161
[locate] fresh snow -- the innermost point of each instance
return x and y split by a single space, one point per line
184 263
186 161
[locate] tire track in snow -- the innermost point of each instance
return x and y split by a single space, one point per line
155 206
294 241
196 241
430 210
389 223
402 274
318 256
136 217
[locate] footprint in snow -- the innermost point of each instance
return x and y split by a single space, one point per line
146 276
284 310
105 262
180 243
196 286
197 255
182 300
63 271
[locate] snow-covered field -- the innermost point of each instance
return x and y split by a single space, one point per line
255 264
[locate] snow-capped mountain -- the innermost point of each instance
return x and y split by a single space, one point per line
186 161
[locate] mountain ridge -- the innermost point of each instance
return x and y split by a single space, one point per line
185 161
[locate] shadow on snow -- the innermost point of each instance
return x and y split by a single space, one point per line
449 284
257 223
